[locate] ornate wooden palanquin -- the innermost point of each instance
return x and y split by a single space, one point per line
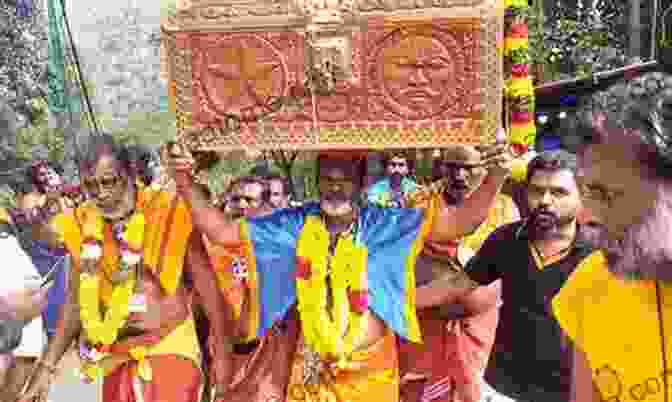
408 73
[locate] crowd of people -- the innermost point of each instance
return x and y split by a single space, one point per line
397 291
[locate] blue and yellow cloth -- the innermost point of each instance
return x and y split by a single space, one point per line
394 238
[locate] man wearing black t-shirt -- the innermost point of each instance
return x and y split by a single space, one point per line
531 360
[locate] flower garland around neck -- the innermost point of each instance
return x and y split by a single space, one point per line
101 332
333 330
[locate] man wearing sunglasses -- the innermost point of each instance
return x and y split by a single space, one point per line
398 182
132 250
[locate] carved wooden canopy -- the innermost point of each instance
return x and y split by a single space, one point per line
412 73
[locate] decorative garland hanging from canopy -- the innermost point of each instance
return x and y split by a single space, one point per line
519 90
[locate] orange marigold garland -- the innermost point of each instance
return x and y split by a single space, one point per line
518 83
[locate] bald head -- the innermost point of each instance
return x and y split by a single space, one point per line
461 166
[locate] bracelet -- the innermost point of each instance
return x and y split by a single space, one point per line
50 367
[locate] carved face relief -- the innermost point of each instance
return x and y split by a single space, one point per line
418 72
241 75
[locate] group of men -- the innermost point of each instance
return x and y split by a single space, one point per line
410 293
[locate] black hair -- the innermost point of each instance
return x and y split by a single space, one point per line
557 159
143 156
93 147
637 114
360 169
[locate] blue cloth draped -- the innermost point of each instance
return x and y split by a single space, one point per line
388 234
45 258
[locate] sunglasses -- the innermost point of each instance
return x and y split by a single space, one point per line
105 183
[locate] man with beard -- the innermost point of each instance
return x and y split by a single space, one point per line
391 190
616 306
128 301
533 258
248 198
336 279
456 344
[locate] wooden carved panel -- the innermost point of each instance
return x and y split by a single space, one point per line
408 76
240 73
421 72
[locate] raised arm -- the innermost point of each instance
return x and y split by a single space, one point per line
455 222
218 311
206 218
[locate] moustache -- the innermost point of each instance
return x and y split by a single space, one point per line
545 216
336 197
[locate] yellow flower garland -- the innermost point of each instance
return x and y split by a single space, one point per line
333 334
519 89
99 330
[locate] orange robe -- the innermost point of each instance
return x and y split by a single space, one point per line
448 365
259 374
160 367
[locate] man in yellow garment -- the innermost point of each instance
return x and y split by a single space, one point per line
338 277
616 307
127 302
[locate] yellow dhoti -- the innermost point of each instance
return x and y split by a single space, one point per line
173 360
372 373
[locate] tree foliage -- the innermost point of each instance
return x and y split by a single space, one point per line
23 44
579 41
